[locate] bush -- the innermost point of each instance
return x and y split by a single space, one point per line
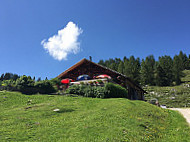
44 87
110 90
8 85
56 81
24 82
25 85
28 86
115 91
87 91
94 91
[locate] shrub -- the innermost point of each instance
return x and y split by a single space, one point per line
87 91
76 89
55 81
110 90
115 91
8 85
24 82
44 87
94 91
28 86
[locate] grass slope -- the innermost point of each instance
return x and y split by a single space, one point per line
186 76
31 118
172 96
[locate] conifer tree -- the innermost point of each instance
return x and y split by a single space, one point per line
137 71
177 69
39 79
132 69
15 77
101 62
166 64
34 78
113 66
117 62
148 71
121 67
184 60
144 73
7 76
188 63
160 76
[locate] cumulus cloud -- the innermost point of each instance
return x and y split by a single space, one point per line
64 42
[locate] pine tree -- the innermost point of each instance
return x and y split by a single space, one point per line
121 67
132 69
166 63
177 70
184 59
39 79
34 78
137 71
15 77
188 63
160 76
150 64
125 58
144 73
101 62
117 62
7 76
113 66
127 68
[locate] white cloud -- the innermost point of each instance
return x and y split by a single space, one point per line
63 43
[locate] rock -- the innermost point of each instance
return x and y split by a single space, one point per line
172 98
56 110
152 92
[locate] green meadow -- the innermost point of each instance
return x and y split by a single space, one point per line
31 118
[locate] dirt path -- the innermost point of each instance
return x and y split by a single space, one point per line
185 112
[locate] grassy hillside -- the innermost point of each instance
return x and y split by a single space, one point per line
31 118
174 96
186 76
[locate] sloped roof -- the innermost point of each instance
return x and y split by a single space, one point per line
85 61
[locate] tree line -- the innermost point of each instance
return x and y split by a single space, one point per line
27 84
167 71
14 77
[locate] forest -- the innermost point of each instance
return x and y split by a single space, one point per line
166 71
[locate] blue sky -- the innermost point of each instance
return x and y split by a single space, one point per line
110 28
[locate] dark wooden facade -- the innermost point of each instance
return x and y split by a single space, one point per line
92 69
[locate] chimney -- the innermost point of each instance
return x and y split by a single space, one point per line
90 57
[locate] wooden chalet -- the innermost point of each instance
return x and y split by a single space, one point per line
92 69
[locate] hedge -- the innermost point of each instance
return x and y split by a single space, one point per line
110 90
